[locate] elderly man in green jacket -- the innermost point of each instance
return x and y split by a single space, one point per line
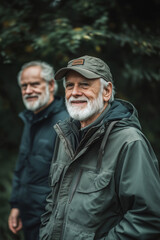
104 174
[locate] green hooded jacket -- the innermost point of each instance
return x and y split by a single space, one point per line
103 194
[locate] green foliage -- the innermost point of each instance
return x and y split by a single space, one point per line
123 33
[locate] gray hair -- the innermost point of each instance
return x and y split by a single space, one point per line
47 72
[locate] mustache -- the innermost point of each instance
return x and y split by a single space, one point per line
30 96
77 99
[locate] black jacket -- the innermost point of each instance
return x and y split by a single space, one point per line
30 181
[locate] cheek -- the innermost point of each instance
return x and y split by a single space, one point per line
91 95
96 93
40 90
67 94
23 93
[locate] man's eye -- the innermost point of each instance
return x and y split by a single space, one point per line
35 84
24 86
85 84
69 85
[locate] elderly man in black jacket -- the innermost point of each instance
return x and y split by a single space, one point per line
30 181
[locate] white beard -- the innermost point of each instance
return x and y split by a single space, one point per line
92 108
42 100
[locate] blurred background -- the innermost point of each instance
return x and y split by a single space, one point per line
123 33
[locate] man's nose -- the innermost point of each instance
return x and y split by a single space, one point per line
28 89
76 91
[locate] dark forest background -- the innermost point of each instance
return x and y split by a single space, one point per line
123 33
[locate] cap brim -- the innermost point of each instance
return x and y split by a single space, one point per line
84 72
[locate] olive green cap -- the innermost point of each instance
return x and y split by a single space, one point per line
88 66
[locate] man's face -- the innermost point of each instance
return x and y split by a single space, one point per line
84 98
36 92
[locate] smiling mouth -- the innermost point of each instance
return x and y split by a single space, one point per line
31 98
78 102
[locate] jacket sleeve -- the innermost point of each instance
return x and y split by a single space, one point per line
15 185
139 194
48 209
43 232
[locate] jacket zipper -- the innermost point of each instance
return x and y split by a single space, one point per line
75 186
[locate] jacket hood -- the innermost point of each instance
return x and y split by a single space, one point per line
123 111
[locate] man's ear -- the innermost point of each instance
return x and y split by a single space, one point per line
107 92
51 85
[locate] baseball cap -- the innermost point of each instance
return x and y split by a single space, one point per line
88 66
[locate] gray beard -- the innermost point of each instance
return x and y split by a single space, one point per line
92 108
40 102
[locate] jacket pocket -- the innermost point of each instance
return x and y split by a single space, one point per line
77 234
92 182
92 199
